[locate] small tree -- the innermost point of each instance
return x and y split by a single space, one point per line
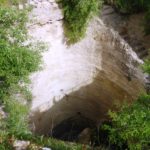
76 15
131 125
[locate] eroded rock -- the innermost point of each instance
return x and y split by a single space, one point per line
88 77
129 27
21 145
45 148
85 136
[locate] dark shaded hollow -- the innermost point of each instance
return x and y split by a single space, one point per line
115 82
70 129
92 101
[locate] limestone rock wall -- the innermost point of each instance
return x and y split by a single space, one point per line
87 77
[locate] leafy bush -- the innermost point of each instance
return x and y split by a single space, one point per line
78 12
9 2
17 61
15 125
146 66
76 15
131 125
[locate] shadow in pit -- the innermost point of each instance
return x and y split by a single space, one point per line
86 107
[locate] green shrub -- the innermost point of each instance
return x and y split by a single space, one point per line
78 12
17 61
146 66
17 121
131 125
76 15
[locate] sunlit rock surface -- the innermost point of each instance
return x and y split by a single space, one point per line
87 77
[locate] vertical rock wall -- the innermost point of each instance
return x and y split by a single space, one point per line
87 77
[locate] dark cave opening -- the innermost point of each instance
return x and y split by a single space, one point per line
75 129
82 130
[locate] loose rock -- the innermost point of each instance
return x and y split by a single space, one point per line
21 145
45 148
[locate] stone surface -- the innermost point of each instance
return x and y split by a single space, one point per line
87 77
20 6
2 113
21 145
45 148
129 27
85 136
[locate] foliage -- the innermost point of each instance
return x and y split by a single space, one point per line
15 125
76 15
17 61
17 122
54 144
146 66
131 125
11 2
78 12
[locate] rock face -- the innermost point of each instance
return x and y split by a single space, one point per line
21 145
87 77
129 27
85 136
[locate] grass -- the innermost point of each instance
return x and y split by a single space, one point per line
76 16
16 61
54 144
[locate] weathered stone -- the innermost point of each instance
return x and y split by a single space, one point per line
85 136
2 113
108 10
129 28
21 145
45 148
86 77
20 6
